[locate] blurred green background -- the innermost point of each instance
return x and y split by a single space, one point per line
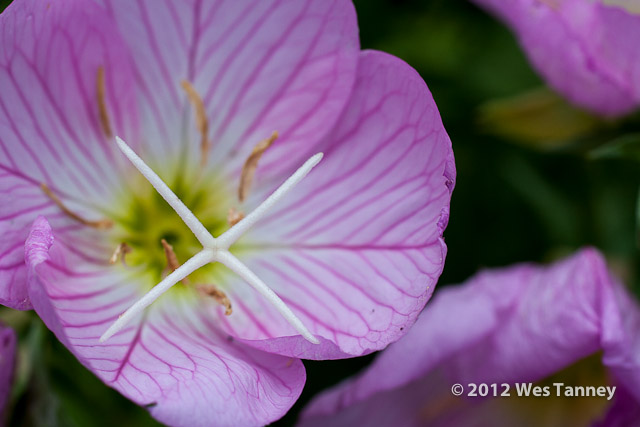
536 179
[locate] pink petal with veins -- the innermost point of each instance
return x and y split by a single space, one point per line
357 249
173 358
258 66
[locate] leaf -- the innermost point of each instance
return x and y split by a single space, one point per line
538 119
624 147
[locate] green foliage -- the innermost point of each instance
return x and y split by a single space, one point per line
540 119
623 147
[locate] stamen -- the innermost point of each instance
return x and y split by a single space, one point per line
172 258
230 236
219 296
204 237
121 250
101 224
200 259
251 164
102 105
201 119
215 250
234 217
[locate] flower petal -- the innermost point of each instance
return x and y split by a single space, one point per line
357 248
172 359
625 411
258 66
585 50
516 325
50 129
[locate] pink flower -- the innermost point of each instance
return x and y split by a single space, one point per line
514 326
352 253
586 50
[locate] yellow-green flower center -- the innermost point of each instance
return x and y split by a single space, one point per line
147 219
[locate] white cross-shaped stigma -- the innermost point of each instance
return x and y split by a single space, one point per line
214 249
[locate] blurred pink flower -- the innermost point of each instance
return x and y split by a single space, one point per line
354 250
586 50
517 325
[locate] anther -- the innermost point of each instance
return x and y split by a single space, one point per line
218 295
172 258
234 216
102 105
201 119
101 224
121 250
251 164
